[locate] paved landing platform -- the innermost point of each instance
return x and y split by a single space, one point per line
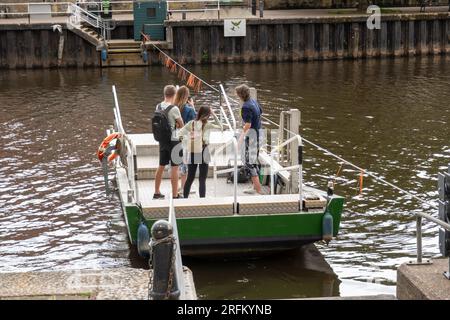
423 282
106 284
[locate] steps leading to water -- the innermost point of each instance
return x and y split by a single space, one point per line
88 34
124 53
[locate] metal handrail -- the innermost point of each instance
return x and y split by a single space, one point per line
233 119
298 166
234 170
178 261
128 144
419 216
217 8
86 16
134 196
117 111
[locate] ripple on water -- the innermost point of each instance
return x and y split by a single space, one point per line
54 215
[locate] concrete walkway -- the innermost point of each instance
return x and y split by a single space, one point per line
107 284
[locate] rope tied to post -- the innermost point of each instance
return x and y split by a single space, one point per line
375 176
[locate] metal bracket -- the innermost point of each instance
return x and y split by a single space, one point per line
418 263
447 273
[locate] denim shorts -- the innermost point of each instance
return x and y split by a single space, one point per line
183 169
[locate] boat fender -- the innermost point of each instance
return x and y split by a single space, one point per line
327 226
143 241
145 56
104 54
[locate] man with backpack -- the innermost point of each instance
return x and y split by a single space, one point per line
166 120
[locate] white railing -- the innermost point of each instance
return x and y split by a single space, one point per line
77 15
186 5
230 110
178 262
133 195
234 169
117 115
298 167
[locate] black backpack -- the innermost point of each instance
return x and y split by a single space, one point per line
161 126
243 176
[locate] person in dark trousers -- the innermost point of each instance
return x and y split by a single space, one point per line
186 105
251 115
195 135
165 152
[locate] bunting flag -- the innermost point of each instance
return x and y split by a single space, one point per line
361 179
337 173
192 81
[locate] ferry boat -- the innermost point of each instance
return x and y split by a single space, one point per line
228 221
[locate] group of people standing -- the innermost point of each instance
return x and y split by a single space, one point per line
190 131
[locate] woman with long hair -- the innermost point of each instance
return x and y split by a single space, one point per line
195 135
185 103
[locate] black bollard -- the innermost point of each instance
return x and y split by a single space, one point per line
163 261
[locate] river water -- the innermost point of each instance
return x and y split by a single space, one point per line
389 116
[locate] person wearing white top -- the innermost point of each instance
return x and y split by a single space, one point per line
195 135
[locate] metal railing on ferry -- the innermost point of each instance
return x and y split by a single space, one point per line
234 169
132 194
299 166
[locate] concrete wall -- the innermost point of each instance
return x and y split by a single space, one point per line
312 39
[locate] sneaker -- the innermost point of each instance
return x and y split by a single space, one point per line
250 191
179 196
158 196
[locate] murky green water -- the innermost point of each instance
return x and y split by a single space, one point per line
389 116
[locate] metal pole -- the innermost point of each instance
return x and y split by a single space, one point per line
419 238
272 178
235 180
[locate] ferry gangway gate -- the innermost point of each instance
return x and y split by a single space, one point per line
298 166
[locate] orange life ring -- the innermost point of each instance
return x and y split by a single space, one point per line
105 143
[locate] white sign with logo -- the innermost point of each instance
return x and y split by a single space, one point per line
234 27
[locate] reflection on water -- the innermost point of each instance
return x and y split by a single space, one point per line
389 116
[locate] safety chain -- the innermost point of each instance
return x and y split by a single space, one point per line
154 243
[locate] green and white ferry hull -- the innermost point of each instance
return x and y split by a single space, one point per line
228 221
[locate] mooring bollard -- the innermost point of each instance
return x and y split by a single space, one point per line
164 284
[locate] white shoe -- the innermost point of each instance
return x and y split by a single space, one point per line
250 191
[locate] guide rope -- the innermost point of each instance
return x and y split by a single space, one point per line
325 151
